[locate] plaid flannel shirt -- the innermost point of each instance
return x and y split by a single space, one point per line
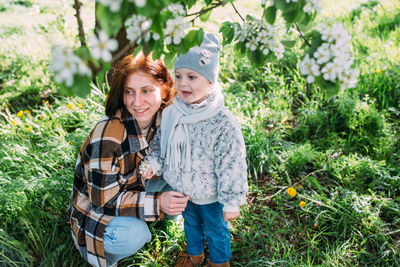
107 183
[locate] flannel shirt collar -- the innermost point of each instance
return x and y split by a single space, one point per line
137 141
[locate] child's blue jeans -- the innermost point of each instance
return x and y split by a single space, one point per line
207 222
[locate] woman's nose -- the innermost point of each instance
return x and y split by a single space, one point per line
138 100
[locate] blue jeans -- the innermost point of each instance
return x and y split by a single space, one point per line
124 236
207 221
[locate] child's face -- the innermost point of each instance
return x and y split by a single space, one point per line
191 86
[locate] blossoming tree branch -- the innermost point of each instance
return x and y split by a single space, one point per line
166 29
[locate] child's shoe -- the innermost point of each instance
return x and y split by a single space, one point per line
186 260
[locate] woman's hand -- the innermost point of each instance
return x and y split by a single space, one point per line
229 216
173 203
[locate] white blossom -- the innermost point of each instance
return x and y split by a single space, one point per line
349 78
309 68
113 5
65 64
175 30
175 9
252 44
313 5
137 28
323 54
278 50
102 46
329 72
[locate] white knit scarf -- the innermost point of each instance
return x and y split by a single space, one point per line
175 142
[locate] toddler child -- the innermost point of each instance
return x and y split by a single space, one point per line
200 151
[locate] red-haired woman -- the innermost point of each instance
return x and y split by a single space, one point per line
110 203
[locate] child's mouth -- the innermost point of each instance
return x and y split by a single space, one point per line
186 94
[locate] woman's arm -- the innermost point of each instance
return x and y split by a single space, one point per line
110 170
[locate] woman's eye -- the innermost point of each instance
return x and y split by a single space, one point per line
128 92
146 91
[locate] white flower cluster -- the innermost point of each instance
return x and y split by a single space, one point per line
65 64
313 5
175 30
115 5
138 29
175 9
332 59
259 35
102 46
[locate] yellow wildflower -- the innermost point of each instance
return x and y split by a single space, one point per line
72 143
378 71
41 117
14 122
80 106
29 129
300 186
20 113
291 191
27 112
70 105
225 75
315 225
302 204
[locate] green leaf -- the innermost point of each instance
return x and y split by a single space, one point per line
288 43
290 15
200 36
208 2
108 21
205 16
256 57
281 4
190 3
191 39
329 88
228 32
270 14
240 48
80 87
169 60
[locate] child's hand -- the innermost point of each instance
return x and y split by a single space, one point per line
145 171
148 174
229 216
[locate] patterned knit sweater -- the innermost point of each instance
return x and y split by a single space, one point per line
219 170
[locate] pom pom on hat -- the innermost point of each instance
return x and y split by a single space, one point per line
202 59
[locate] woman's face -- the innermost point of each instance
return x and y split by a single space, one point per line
142 97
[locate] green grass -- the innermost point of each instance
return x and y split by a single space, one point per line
341 155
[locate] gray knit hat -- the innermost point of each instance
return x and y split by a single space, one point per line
202 59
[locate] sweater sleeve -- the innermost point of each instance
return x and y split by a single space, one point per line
104 164
231 167
153 160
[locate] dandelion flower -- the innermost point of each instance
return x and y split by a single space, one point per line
80 106
70 105
29 129
378 71
41 117
291 191
302 204
27 112
20 113
315 225
14 123
300 186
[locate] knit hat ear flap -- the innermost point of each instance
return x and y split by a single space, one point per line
203 59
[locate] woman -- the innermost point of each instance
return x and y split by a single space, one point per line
109 203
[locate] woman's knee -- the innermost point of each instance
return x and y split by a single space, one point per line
126 235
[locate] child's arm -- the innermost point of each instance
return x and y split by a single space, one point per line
231 169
